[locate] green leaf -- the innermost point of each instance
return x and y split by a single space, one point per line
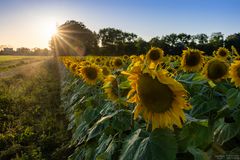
121 121
124 85
161 145
194 134
104 144
233 97
132 144
201 106
98 127
226 131
198 153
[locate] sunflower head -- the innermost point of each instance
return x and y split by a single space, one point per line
216 69
222 52
91 74
159 98
154 56
125 57
234 73
112 89
105 70
192 60
117 63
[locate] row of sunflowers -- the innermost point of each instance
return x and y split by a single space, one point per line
154 106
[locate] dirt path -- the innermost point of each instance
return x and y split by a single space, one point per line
27 69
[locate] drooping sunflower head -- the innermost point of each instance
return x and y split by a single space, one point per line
112 89
117 63
91 74
154 56
234 73
192 60
159 98
105 70
222 53
125 57
216 69
98 60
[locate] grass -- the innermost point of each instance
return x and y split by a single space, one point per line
4 58
10 62
33 125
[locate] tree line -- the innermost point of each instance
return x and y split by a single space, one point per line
74 38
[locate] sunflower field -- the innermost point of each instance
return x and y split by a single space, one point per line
153 106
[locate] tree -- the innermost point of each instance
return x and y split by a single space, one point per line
116 41
233 40
216 40
201 38
73 38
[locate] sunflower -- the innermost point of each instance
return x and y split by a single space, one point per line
158 97
90 73
216 69
117 63
234 73
222 52
105 70
111 87
154 57
192 60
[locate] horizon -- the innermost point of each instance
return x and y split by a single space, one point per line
32 22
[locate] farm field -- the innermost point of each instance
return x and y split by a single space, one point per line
32 124
154 106
10 62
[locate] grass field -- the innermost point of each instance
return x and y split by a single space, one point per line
32 123
9 62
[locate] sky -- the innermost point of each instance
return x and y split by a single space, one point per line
30 23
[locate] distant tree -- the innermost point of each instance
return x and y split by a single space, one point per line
233 40
73 38
142 46
216 39
116 41
184 39
201 38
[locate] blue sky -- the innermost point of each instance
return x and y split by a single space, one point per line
26 22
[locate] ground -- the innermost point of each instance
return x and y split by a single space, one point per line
33 125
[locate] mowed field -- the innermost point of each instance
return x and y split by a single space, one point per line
32 125
9 62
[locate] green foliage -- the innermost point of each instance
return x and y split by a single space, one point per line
32 124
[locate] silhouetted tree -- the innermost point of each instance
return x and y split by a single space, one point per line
233 40
73 38
116 41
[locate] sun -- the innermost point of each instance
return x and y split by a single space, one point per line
49 29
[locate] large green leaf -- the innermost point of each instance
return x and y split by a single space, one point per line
98 127
202 106
194 134
233 97
120 122
160 145
198 153
132 143
226 131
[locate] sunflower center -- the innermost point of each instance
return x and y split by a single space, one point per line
91 73
105 71
238 72
114 87
193 59
216 70
154 95
222 53
154 55
118 62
